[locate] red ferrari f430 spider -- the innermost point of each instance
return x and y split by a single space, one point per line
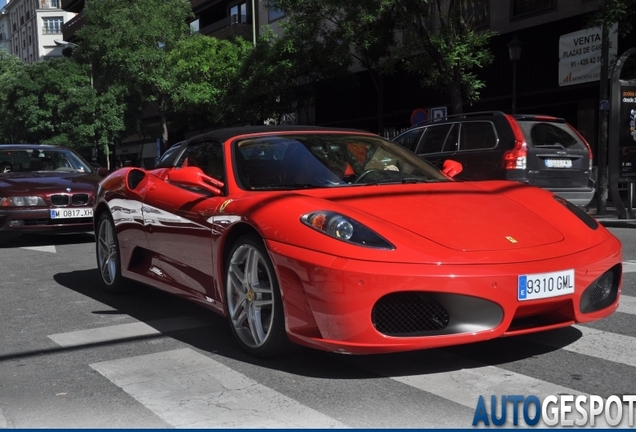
343 241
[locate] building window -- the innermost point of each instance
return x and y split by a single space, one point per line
52 25
238 13
273 14
521 8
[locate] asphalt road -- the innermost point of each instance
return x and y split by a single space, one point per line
71 356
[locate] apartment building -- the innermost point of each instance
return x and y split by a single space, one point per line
29 28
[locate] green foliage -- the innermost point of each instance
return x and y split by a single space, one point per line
444 54
279 76
127 45
206 71
615 11
41 99
10 68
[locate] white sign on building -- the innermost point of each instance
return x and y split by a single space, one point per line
580 55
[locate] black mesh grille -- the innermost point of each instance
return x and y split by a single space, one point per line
602 292
408 314
79 199
602 288
59 200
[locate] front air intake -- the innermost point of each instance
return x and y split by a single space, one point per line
602 292
408 314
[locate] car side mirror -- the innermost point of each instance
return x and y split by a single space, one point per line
195 177
102 172
452 168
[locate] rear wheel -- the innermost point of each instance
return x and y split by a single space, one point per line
254 305
108 260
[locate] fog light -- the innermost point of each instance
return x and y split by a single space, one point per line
15 223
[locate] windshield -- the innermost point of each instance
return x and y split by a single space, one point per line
37 160
322 160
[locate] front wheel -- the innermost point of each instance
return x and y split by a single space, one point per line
107 252
254 305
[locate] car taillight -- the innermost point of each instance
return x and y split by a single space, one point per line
517 157
589 148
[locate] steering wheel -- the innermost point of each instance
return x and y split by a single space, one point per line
364 174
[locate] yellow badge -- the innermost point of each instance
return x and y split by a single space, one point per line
511 239
225 204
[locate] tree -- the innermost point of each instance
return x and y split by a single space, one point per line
345 33
10 67
280 75
127 45
444 51
207 70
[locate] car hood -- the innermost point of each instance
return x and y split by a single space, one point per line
462 218
458 222
47 182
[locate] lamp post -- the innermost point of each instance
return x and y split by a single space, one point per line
514 50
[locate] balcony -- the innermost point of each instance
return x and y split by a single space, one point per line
229 27
71 27
196 3
73 5
49 4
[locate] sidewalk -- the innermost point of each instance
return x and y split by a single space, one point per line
610 217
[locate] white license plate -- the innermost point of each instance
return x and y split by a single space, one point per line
544 285
558 163
70 213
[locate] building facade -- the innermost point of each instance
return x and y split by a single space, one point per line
31 27
535 83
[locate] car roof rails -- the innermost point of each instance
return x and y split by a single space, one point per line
462 116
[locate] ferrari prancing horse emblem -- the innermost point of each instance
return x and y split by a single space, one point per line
511 239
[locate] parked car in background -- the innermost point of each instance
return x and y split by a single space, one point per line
45 189
539 150
343 241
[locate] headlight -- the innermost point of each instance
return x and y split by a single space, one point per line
22 201
343 228
578 212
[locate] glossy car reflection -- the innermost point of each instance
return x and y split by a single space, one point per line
44 189
340 240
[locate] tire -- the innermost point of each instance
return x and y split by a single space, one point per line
108 257
253 300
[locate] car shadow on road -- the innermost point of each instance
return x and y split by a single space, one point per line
38 240
150 305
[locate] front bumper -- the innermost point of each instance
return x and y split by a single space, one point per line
332 303
24 220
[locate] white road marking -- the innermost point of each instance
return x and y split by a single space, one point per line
594 343
629 266
125 331
189 390
50 249
627 304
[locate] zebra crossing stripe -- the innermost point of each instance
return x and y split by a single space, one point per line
594 343
186 389
627 304
629 266
125 331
